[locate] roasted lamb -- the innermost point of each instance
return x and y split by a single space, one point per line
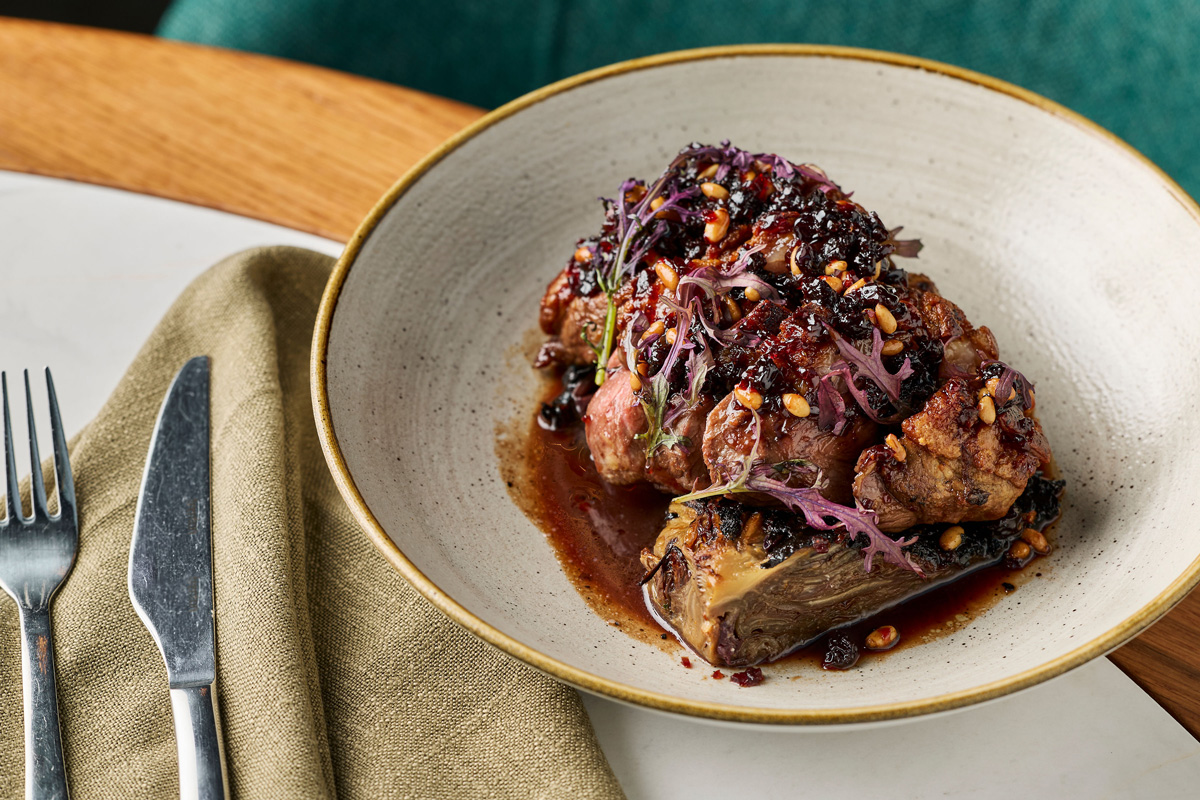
823 416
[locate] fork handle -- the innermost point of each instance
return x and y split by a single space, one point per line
45 773
201 753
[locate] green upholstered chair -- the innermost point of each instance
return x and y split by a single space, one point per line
1131 65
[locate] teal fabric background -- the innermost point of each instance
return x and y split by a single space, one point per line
1131 65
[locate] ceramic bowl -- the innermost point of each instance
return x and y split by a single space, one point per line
1075 250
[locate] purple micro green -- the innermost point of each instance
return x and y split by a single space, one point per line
814 506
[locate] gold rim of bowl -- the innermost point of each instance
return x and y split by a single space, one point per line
1111 639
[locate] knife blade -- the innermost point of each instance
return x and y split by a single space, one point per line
170 575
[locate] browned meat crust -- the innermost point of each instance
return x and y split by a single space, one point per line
956 468
730 436
615 421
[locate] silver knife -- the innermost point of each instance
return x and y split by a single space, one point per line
170 576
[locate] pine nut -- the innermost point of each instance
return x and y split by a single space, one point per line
1019 551
752 294
657 202
834 267
654 330
709 172
891 347
714 190
1036 540
858 284
834 282
987 410
643 368
792 260
878 269
583 255
951 538
796 405
883 638
667 274
635 194
671 335
635 382
991 385
896 447
887 323
715 231
735 311
750 398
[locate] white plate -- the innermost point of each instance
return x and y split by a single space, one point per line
1073 248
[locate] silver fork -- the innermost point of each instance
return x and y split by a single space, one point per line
36 553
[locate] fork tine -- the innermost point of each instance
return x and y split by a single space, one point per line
13 495
37 486
65 484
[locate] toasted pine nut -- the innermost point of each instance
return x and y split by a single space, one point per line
750 398
749 176
951 538
655 329
987 410
635 382
643 368
796 405
896 447
635 194
667 274
1036 540
715 231
883 638
709 172
792 260
671 335
657 202
714 190
834 267
887 323
990 386
735 311
858 284
583 255
752 294
891 347
835 283
878 269
1019 551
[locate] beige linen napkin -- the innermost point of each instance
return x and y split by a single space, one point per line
335 677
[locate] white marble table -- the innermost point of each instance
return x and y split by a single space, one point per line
87 272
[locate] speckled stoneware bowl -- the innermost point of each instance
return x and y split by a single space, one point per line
1076 251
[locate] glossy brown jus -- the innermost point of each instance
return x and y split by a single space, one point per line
598 530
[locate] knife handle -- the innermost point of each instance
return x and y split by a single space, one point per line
201 753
